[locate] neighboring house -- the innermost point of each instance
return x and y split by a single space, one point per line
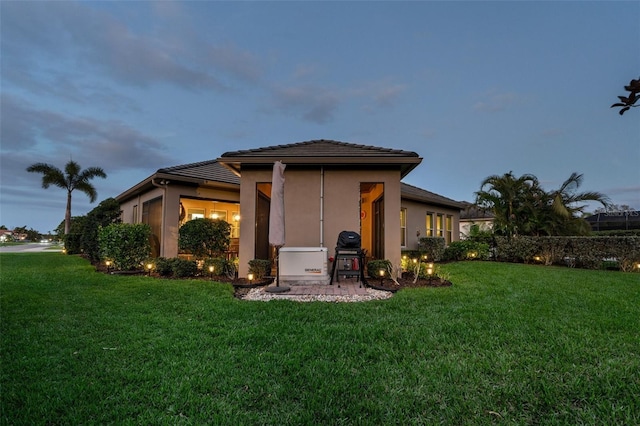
6 235
615 221
330 186
472 215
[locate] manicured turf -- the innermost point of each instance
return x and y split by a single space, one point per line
506 344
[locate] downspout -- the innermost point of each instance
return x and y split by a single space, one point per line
321 206
162 185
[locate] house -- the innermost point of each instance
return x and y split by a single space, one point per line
473 215
623 220
330 186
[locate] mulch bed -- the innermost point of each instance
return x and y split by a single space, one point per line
407 282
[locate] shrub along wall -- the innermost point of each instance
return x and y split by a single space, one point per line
582 252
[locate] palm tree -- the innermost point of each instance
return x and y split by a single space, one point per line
72 178
567 204
512 200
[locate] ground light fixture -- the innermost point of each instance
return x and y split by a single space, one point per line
108 263
381 272
149 268
211 269
250 278
430 271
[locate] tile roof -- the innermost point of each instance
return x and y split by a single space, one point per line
323 152
206 170
418 194
321 148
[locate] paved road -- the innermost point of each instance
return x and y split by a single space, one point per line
29 248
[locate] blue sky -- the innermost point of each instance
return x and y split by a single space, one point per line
475 88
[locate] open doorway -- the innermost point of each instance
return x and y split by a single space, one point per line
372 218
263 206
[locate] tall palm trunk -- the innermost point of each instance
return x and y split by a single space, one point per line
67 215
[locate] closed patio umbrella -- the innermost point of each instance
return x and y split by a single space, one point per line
276 219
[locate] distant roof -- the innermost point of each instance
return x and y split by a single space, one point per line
323 152
418 194
471 211
609 221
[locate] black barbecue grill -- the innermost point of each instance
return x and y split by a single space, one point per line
349 258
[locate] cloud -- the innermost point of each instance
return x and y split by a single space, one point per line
90 40
312 103
109 144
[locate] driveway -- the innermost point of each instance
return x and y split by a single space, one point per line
29 248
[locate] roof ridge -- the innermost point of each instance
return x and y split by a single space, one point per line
316 141
187 165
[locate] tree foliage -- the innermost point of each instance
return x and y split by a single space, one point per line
521 206
106 213
71 179
629 101
204 238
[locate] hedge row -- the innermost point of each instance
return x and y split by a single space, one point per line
582 252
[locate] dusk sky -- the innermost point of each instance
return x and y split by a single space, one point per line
475 88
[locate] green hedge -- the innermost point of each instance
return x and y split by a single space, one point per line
432 247
466 250
582 252
126 244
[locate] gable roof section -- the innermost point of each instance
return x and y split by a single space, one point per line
203 173
323 152
414 193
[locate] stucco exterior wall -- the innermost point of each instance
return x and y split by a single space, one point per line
416 221
171 210
319 204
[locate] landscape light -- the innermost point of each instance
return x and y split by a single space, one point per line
211 268
149 268
250 278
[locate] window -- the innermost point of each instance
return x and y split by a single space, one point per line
403 227
195 214
134 219
218 214
429 226
439 225
448 228
235 225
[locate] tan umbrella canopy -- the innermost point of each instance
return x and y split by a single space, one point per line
276 213
276 219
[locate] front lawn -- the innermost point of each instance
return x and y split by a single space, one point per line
506 344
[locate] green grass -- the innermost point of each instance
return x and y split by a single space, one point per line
507 344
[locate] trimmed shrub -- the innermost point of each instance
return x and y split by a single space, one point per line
374 267
183 268
126 244
106 213
204 238
164 266
221 266
260 268
583 252
433 247
466 250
